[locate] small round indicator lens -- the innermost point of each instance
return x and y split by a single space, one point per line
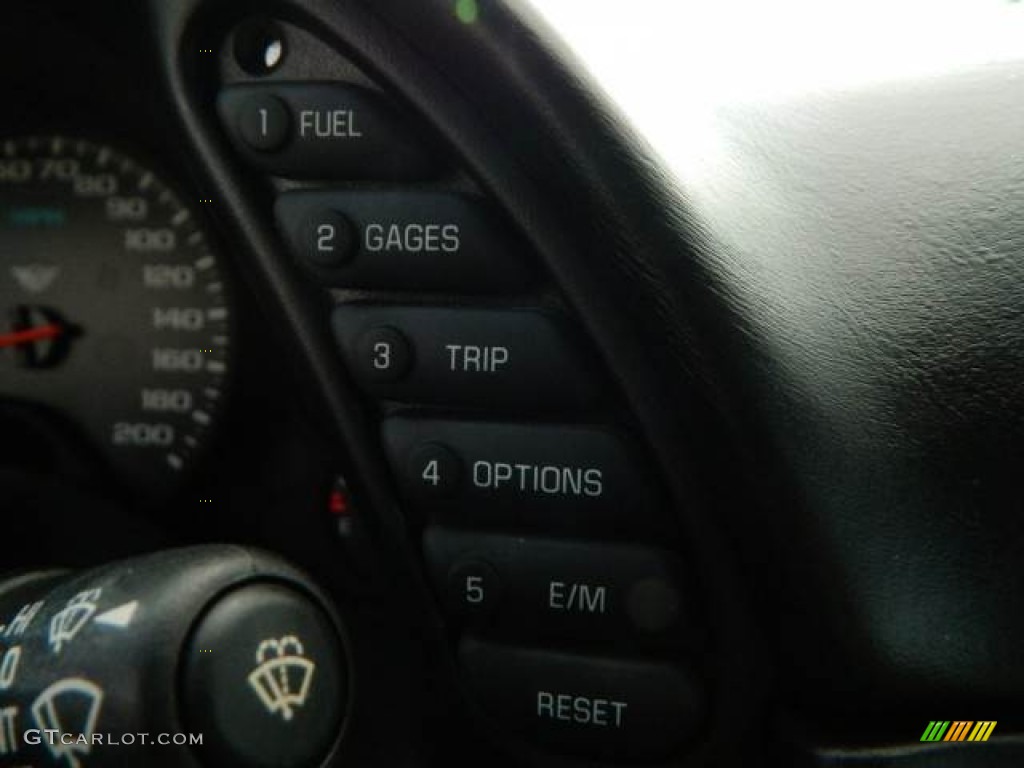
259 46
273 53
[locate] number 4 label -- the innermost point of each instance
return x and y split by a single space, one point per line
432 473
435 469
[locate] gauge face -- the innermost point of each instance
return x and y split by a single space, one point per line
113 309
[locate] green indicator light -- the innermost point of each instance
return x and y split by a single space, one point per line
466 11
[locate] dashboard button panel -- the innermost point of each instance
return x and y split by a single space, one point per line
402 239
551 590
323 131
513 359
541 520
531 477
608 709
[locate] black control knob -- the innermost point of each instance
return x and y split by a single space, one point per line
209 656
286 650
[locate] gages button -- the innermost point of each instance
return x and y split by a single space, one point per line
403 239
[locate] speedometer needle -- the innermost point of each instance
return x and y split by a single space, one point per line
29 335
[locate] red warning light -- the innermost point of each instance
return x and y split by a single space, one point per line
338 503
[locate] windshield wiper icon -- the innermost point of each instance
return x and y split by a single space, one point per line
66 623
71 705
282 676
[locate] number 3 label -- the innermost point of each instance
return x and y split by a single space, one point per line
381 355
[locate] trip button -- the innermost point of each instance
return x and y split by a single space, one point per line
402 239
551 589
535 477
515 359
608 709
323 131
387 351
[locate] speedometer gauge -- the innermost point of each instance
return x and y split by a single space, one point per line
113 308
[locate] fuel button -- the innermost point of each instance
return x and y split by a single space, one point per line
324 131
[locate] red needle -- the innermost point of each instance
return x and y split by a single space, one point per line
29 335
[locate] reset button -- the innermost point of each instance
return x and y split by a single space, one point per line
605 708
